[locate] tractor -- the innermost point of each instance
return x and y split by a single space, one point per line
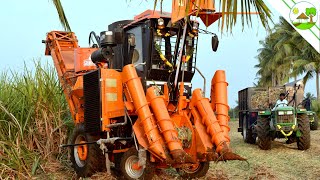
261 121
314 120
131 98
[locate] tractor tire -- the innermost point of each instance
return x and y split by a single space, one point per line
86 159
197 172
247 133
303 141
315 123
263 131
131 157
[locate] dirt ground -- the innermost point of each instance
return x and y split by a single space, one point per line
281 162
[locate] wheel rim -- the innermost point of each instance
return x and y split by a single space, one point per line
129 167
244 128
192 169
80 152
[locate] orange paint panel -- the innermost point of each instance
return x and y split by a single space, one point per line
179 8
82 59
203 138
140 135
111 96
68 59
77 89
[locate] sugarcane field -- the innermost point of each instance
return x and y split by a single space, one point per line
160 89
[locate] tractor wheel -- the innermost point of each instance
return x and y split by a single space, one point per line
195 171
247 132
314 124
127 166
263 131
303 141
86 159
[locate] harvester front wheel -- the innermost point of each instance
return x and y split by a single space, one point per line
303 141
195 171
130 167
247 133
86 159
263 131
314 124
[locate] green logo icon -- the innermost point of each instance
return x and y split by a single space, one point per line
303 15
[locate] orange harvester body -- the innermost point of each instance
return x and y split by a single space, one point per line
127 96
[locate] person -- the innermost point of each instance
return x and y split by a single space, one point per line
281 101
308 104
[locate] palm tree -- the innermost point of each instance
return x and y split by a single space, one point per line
310 96
284 54
229 9
308 63
274 68
62 16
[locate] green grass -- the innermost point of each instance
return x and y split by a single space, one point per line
34 120
304 26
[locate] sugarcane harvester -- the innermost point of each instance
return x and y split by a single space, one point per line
130 95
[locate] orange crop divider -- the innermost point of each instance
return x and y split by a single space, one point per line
219 101
209 120
166 124
134 85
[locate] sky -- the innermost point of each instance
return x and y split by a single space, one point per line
24 25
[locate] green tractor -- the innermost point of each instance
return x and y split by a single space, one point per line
314 120
283 121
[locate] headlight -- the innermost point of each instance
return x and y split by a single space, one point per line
289 112
160 23
281 113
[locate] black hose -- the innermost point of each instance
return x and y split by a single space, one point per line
95 36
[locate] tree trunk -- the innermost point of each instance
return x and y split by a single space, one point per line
317 84
311 21
272 79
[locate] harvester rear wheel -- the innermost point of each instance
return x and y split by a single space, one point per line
86 159
263 131
247 133
130 168
314 124
303 141
196 171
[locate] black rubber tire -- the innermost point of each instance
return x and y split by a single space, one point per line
315 123
95 161
247 133
263 131
148 172
199 172
303 141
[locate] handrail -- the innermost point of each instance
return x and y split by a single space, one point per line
204 82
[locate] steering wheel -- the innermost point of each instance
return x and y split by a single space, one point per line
282 103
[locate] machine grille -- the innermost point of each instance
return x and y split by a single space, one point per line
92 110
286 118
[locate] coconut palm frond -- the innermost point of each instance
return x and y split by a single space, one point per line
62 16
229 9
